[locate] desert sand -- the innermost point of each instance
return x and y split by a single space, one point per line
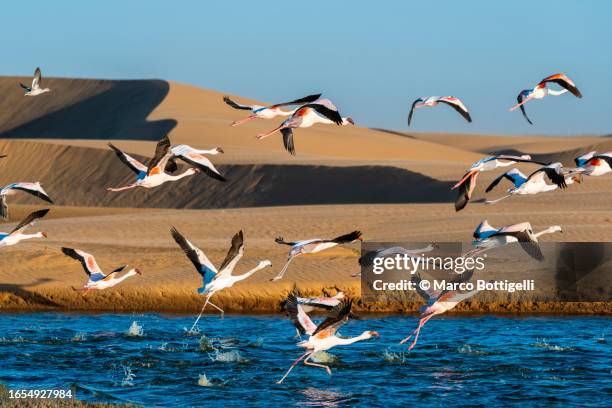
393 186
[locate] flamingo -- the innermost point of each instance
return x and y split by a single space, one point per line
467 184
541 90
431 101
535 183
595 164
322 302
487 237
18 234
97 279
320 111
35 189
312 246
323 336
267 112
155 174
216 280
35 89
438 302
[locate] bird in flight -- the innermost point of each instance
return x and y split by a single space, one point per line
18 233
268 112
35 89
431 101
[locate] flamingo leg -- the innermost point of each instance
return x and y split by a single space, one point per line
460 182
129 186
217 307
262 135
240 122
498 200
282 272
519 104
317 365
200 315
416 331
293 365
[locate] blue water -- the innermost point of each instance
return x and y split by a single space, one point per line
486 360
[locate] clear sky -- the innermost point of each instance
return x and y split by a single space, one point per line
372 58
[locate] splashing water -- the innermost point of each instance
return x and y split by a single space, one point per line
203 381
324 357
128 376
393 357
135 330
547 346
206 344
233 356
80 336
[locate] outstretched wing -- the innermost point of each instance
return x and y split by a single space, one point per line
326 108
553 171
301 101
161 154
300 319
35 189
412 109
457 105
196 256
235 105
280 240
337 317
234 254
515 176
564 82
464 191
519 99
288 140
90 266
134 165
29 220
37 80
202 163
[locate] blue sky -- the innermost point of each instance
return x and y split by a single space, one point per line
371 58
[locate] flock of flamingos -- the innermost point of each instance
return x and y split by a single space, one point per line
309 111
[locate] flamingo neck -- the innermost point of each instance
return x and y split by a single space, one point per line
249 273
124 277
351 340
186 173
549 230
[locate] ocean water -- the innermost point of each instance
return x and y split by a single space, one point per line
149 359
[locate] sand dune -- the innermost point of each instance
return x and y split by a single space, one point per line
391 185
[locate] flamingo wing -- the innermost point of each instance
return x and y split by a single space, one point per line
484 230
202 163
161 157
605 157
515 176
325 108
288 140
90 266
29 220
196 256
235 105
464 192
553 171
301 101
519 99
563 81
35 189
234 254
281 240
412 109
134 165
457 105
337 317
37 80
300 319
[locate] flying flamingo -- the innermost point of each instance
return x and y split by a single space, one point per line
35 189
268 112
535 182
432 101
438 302
312 246
97 279
309 304
215 280
595 164
35 89
541 90
155 174
487 237
320 111
467 184
18 234
323 336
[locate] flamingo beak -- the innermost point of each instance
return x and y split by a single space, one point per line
138 271
351 121
196 170
468 175
44 234
220 150
374 334
360 239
